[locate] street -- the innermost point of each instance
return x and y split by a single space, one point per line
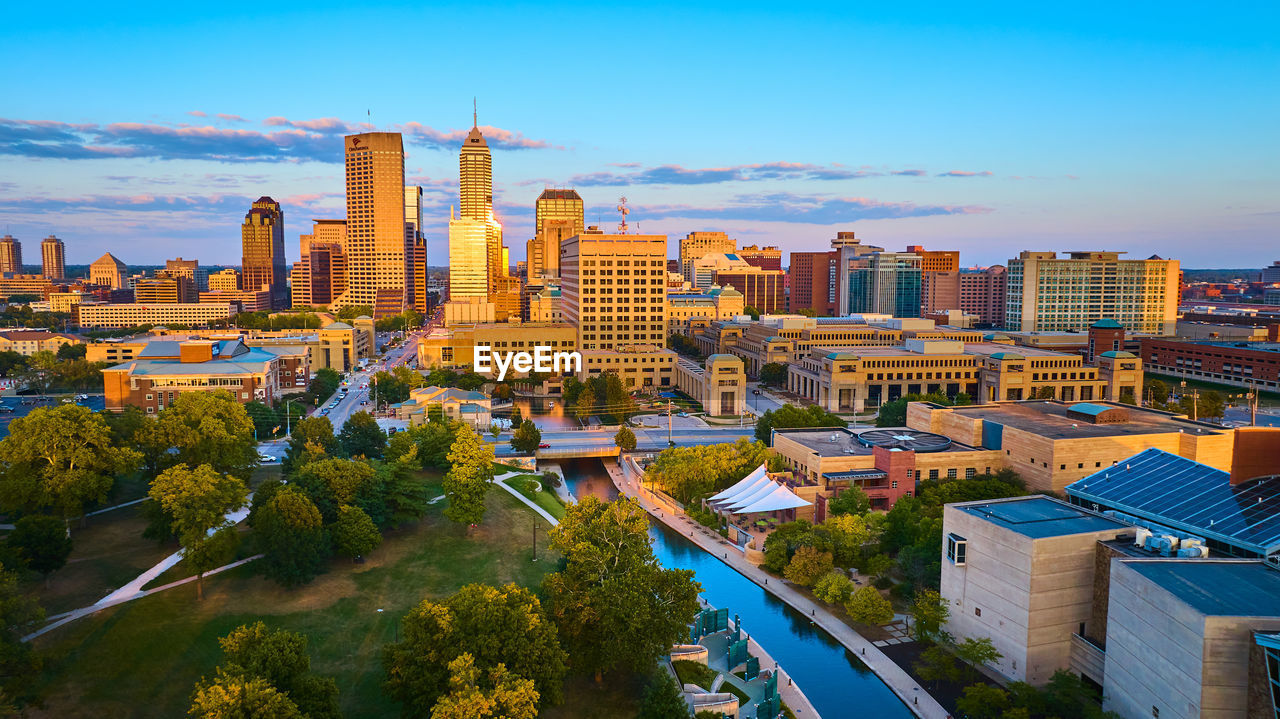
646 439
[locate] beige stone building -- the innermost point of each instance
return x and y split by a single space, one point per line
109 271
53 258
696 245
377 252
613 289
719 385
135 314
455 347
10 255
29 342
1047 292
690 313
558 215
1051 444
642 367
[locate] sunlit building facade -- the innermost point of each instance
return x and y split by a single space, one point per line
375 246
53 258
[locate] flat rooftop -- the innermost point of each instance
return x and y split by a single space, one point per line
1049 418
1040 517
1255 346
1230 587
846 442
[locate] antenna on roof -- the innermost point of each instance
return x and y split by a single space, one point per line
624 211
475 121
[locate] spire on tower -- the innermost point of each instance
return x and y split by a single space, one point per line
475 122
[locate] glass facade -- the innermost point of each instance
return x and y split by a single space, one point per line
883 283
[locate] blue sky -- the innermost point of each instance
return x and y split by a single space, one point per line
1148 128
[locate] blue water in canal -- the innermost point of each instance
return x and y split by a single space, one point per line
836 682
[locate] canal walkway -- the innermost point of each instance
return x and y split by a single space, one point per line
917 699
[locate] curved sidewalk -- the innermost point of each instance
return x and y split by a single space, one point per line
917 699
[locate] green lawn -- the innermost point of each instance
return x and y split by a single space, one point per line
691 672
142 658
544 497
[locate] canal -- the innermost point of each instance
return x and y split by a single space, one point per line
836 682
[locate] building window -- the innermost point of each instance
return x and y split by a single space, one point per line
951 473
977 611
957 547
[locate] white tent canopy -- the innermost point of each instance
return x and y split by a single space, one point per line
746 499
757 479
780 498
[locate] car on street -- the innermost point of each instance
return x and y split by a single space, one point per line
4 408
266 458
755 391
544 445
683 414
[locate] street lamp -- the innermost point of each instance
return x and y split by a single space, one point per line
287 417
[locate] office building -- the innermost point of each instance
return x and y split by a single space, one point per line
455 347
262 250
690 313
164 290
10 255
982 293
468 259
706 267
109 271
697 245
939 279
337 345
543 250
119 316
766 258
415 243
1271 275
53 258
559 206
719 384
814 283
871 280
762 290
613 289
1253 365
246 300
166 369
1047 292
475 191
189 269
423 296
227 280
11 284
376 258
320 277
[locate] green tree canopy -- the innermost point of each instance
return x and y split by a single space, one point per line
209 428
834 587
331 483
198 500
362 437
470 473
774 373
312 439
503 696
526 437
60 459
254 651
354 534
868 606
663 699
851 500
615 606
807 566
790 416
689 472
228 697
290 532
19 664
494 626
625 439
41 543
388 388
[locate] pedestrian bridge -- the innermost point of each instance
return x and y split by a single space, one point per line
571 451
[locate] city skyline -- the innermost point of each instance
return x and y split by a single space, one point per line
1144 134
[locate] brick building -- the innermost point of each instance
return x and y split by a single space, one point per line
1242 364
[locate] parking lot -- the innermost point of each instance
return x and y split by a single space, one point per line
95 402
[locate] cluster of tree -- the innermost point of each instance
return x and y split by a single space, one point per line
601 396
407 320
39 544
749 310
789 416
526 437
351 312
684 345
469 381
894 414
845 540
689 473
1202 405
394 386
116 333
65 370
264 320
274 420
16 315
774 374
1066 695
265 673
323 385
19 663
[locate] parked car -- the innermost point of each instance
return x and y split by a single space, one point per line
5 409
266 458
683 414
544 445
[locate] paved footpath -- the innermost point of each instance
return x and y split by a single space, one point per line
908 690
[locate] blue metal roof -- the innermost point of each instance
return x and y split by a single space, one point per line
1040 517
1089 408
1189 496
856 474
1224 588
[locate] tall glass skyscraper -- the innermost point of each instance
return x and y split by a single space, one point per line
873 281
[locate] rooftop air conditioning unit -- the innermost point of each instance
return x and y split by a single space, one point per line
1196 552
1141 536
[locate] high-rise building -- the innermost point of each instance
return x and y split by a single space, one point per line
559 205
262 265
53 258
227 280
696 245
814 283
766 258
1271 274
468 259
982 293
375 245
422 300
412 237
164 290
877 282
761 289
10 255
190 269
1048 293
939 279
108 271
613 289
320 276
475 190
706 267
543 251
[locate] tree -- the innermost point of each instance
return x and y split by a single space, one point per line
405 493
331 483
929 612
849 534
324 384
1212 404
1158 391
878 565
389 389
467 481
586 404
526 437
616 607
807 565
493 626
625 439
977 652
509 697
70 351
663 699
60 459
362 437
209 428
199 501
11 363
354 534
1042 393
228 697
265 419
892 414
689 472
834 587
18 662
312 439
789 416
278 656
42 543
517 417
291 534
982 701
936 665
850 501
755 313
774 373
868 606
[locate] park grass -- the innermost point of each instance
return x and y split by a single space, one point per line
691 672
142 658
543 496
616 697
107 552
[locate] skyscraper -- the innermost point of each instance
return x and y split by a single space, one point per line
695 245
877 282
10 255
53 258
262 264
413 242
613 289
1049 293
559 205
376 252
559 216
468 264
320 276
475 190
